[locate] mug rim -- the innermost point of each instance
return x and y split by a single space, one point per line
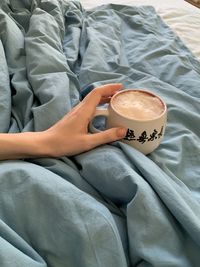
143 91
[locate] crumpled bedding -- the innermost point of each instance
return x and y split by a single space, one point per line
182 17
111 206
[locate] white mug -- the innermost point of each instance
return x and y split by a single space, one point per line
144 135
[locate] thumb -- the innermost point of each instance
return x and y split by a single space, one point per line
107 136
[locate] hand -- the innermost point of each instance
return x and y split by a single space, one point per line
70 135
67 137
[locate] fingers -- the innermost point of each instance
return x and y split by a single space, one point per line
99 95
109 89
86 108
105 100
102 92
106 136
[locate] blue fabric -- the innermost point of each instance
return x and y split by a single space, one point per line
111 206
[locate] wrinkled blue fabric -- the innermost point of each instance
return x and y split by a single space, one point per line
111 206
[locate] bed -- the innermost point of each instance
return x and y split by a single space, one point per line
111 206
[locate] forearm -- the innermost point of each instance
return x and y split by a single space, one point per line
22 145
69 136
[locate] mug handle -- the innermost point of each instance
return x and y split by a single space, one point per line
99 112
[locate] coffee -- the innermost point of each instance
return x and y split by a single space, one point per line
138 105
141 112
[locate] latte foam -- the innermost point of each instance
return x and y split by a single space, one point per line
138 105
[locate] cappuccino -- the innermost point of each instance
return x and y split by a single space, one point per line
138 105
141 112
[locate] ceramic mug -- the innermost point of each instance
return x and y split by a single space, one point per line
145 121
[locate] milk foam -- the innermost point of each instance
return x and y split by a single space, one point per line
138 105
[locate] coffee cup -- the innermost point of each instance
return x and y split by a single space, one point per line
141 112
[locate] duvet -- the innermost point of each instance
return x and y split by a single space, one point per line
111 206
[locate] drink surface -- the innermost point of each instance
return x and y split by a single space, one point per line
138 105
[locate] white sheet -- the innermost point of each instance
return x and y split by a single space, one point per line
181 16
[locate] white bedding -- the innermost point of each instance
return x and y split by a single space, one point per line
181 16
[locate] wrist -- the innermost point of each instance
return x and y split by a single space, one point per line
35 144
23 145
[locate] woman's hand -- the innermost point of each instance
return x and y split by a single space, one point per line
70 136
67 137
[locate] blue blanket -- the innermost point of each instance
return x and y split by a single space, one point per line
111 206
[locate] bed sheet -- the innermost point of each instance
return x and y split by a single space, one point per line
182 17
111 206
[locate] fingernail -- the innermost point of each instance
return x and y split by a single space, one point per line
121 132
